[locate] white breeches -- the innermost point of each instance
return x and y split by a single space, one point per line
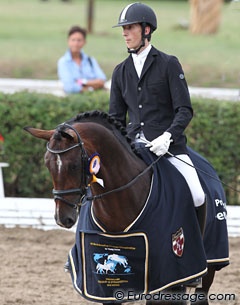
190 176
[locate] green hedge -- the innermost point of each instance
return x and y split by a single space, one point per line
214 132
27 176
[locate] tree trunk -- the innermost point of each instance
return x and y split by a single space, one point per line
90 16
205 16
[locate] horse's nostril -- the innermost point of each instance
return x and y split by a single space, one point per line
65 222
69 222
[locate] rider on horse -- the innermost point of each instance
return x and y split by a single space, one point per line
151 88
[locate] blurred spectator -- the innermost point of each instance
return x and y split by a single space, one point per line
78 71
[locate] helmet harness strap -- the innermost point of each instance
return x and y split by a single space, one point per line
144 36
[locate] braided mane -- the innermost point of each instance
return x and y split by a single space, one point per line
105 120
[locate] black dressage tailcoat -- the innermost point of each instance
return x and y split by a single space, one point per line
158 101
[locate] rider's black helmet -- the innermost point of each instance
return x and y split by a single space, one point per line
137 13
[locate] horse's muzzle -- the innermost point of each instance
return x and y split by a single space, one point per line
65 217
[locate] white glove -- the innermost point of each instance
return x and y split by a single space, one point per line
160 145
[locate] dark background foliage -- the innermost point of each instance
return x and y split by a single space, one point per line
214 132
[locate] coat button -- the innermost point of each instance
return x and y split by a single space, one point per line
139 88
140 106
142 123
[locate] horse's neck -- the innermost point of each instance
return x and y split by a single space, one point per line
119 165
119 209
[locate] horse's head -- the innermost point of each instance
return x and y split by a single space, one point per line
74 165
67 168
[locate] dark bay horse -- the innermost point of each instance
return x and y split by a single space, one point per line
92 150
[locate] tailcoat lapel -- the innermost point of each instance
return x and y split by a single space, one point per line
131 71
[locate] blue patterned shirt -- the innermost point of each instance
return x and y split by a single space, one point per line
69 71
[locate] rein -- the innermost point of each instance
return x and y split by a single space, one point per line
85 176
82 190
123 187
207 174
195 167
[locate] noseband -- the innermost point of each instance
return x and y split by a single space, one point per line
82 190
85 176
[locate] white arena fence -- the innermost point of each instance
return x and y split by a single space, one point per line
39 213
36 213
55 87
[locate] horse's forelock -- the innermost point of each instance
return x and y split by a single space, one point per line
61 133
57 135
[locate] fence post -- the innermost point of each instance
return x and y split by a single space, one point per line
2 195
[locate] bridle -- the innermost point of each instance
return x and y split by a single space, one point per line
85 175
82 190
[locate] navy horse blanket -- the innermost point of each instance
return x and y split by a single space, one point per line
216 235
162 248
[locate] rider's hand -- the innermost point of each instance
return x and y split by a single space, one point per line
160 145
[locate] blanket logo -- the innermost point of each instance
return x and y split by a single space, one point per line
178 242
111 263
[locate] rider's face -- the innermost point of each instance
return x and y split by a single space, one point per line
132 34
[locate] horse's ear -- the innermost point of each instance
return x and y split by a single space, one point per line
40 133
